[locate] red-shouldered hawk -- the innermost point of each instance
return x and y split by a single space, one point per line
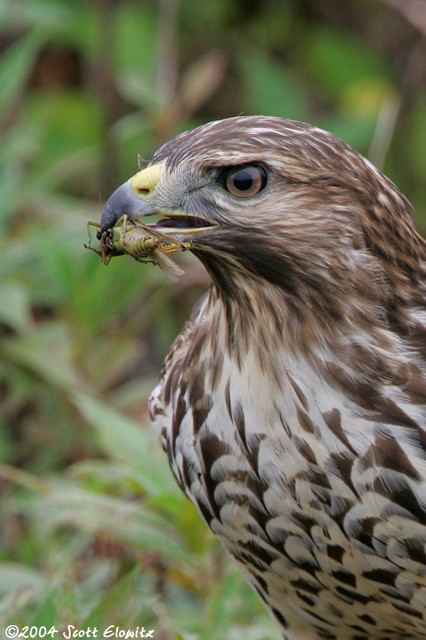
292 405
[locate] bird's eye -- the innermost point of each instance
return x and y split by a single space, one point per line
243 181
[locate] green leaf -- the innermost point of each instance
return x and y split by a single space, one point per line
358 132
46 351
15 67
127 599
14 576
337 61
271 88
46 614
47 15
67 128
19 586
124 440
136 23
126 521
14 307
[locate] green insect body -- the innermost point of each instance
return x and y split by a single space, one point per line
144 244
134 240
138 242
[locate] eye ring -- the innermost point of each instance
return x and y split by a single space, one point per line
243 181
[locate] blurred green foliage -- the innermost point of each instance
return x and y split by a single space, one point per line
93 528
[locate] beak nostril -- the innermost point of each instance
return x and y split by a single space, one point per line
144 183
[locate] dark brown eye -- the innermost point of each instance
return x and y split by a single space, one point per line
243 181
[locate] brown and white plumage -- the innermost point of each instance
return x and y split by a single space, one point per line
292 405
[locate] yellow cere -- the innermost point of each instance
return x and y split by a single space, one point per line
144 182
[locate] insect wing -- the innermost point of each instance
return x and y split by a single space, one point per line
167 265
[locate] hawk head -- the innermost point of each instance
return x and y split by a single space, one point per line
282 206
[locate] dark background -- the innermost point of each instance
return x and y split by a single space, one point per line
93 530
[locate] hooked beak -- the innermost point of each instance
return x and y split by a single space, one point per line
134 199
123 202
131 199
